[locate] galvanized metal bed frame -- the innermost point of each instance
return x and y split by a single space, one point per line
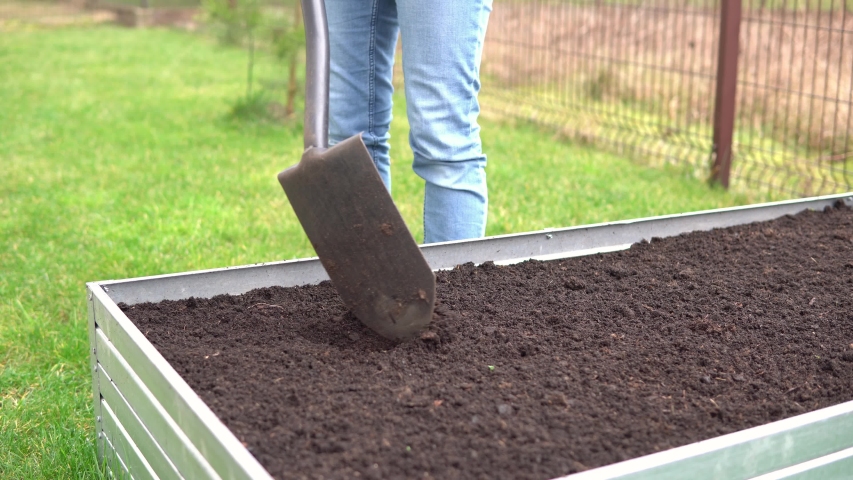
151 424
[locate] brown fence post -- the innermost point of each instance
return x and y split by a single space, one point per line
724 108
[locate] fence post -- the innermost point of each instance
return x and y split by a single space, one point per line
724 107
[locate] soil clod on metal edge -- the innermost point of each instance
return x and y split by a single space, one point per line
534 370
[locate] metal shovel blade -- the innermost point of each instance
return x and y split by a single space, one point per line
361 239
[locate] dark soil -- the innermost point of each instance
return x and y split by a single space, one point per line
535 370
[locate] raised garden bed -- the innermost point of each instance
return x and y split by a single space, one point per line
534 370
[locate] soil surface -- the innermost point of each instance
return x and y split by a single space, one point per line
534 370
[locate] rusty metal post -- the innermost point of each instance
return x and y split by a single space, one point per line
724 108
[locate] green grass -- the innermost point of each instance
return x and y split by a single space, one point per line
120 159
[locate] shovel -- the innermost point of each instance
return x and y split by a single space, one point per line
348 214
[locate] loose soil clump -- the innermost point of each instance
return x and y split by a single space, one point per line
534 370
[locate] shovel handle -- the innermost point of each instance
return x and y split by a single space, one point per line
316 128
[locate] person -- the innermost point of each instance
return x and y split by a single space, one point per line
442 43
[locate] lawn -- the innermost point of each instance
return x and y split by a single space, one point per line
119 160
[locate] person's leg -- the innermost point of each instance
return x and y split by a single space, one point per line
362 40
442 48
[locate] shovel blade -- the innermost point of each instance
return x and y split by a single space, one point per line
361 239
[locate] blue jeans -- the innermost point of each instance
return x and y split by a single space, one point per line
442 48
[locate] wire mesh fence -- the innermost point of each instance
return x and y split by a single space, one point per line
642 77
794 101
